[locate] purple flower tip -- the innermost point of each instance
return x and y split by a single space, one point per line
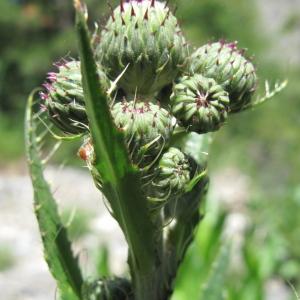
43 96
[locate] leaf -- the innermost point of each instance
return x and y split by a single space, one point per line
195 145
278 87
57 248
187 218
186 211
180 234
121 181
214 287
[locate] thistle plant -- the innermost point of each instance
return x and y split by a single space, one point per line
144 105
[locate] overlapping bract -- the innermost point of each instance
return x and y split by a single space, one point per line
64 98
174 172
225 63
147 128
199 103
145 36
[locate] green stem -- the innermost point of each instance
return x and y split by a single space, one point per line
120 180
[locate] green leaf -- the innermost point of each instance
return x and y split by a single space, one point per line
120 180
193 144
57 248
214 287
103 268
269 94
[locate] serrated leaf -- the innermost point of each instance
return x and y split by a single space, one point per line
269 94
57 248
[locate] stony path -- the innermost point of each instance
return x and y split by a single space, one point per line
29 278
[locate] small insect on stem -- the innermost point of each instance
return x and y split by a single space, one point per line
85 152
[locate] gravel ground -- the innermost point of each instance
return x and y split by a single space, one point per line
29 278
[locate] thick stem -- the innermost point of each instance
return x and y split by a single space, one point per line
149 284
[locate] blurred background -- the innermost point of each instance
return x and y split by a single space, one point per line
255 184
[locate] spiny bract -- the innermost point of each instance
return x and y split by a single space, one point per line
64 99
147 126
199 103
145 36
174 173
226 64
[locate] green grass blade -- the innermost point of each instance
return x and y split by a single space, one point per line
214 287
121 182
57 248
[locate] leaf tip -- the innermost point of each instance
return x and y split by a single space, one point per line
81 8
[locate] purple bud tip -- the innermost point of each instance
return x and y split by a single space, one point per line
122 6
146 15
43 96
52 77
132 12
47 86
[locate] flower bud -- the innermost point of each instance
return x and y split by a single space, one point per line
145 37
199 103
147 127
226 64
64 99
174 173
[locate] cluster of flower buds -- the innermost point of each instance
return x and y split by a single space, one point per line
143 51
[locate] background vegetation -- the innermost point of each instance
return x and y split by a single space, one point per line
263 146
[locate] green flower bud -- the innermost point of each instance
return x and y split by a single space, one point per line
227 65
147 128
145 36
199 103
64 99
174 173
